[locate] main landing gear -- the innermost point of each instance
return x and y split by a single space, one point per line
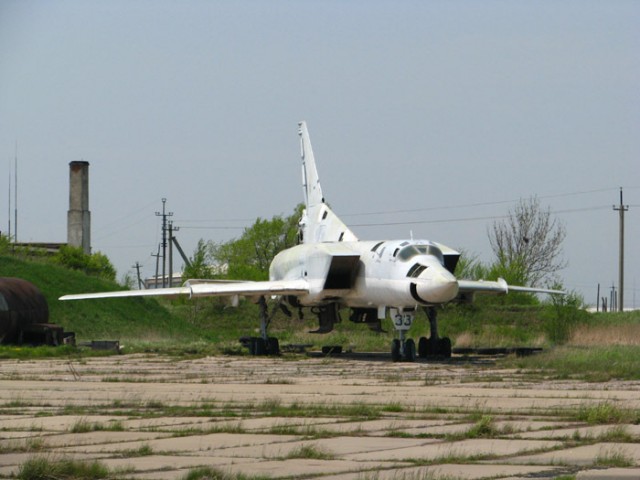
404 349
434 346
263 345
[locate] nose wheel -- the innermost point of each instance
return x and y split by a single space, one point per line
402 348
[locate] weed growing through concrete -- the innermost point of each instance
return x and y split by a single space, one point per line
82 425
610 457
602 414
38 468
208 473
144 450
618 434
484 428
310 452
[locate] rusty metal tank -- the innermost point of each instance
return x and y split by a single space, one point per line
23 309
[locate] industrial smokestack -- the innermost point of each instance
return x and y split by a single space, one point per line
78 216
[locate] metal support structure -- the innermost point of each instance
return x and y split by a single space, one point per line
171 229
621 208
137 267
181 252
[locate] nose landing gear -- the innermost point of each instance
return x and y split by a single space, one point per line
403 349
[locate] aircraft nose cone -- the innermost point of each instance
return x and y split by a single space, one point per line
438 287
444 288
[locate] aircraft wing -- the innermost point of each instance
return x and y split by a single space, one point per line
207 289
499 287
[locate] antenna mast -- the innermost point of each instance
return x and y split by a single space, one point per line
15 193
9 210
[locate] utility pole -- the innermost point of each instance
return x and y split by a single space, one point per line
621 208
157 255
613 298
164 216
137 267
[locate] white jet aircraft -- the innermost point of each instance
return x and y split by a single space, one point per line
331 269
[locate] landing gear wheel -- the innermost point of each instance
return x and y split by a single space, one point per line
395 350
410 351
444 347
439 348
257 346
273 346
423 347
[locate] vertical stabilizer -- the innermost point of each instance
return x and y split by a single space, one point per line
310 181
318 223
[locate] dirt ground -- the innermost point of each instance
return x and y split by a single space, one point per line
361 417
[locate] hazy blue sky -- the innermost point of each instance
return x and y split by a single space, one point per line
426 117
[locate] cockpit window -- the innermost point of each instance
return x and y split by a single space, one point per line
375 247
416 270
412 250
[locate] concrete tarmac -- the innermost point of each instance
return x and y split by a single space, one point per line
360 418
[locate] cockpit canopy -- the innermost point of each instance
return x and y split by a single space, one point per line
411 251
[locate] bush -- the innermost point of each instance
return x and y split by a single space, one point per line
563 314
96 264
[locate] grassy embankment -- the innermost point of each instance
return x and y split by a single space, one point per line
135 321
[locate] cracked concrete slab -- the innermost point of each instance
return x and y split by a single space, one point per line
309 418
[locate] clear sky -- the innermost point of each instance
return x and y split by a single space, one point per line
428 118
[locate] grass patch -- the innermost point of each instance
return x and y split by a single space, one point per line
606 413
227 428
43 468
593 364
483 428
84 426
30 445
208 473
613 458
617 434
310 452
27 352
356 411
144 450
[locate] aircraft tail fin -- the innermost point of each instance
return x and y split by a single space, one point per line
318 223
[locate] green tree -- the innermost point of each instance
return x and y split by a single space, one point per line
469 267
249 256
528 244
200 264
5 244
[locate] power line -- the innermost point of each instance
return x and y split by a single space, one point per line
474 205
470 219
212 228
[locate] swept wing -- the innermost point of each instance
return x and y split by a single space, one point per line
499 287
208 289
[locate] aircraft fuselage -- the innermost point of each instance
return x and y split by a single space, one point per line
402 274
